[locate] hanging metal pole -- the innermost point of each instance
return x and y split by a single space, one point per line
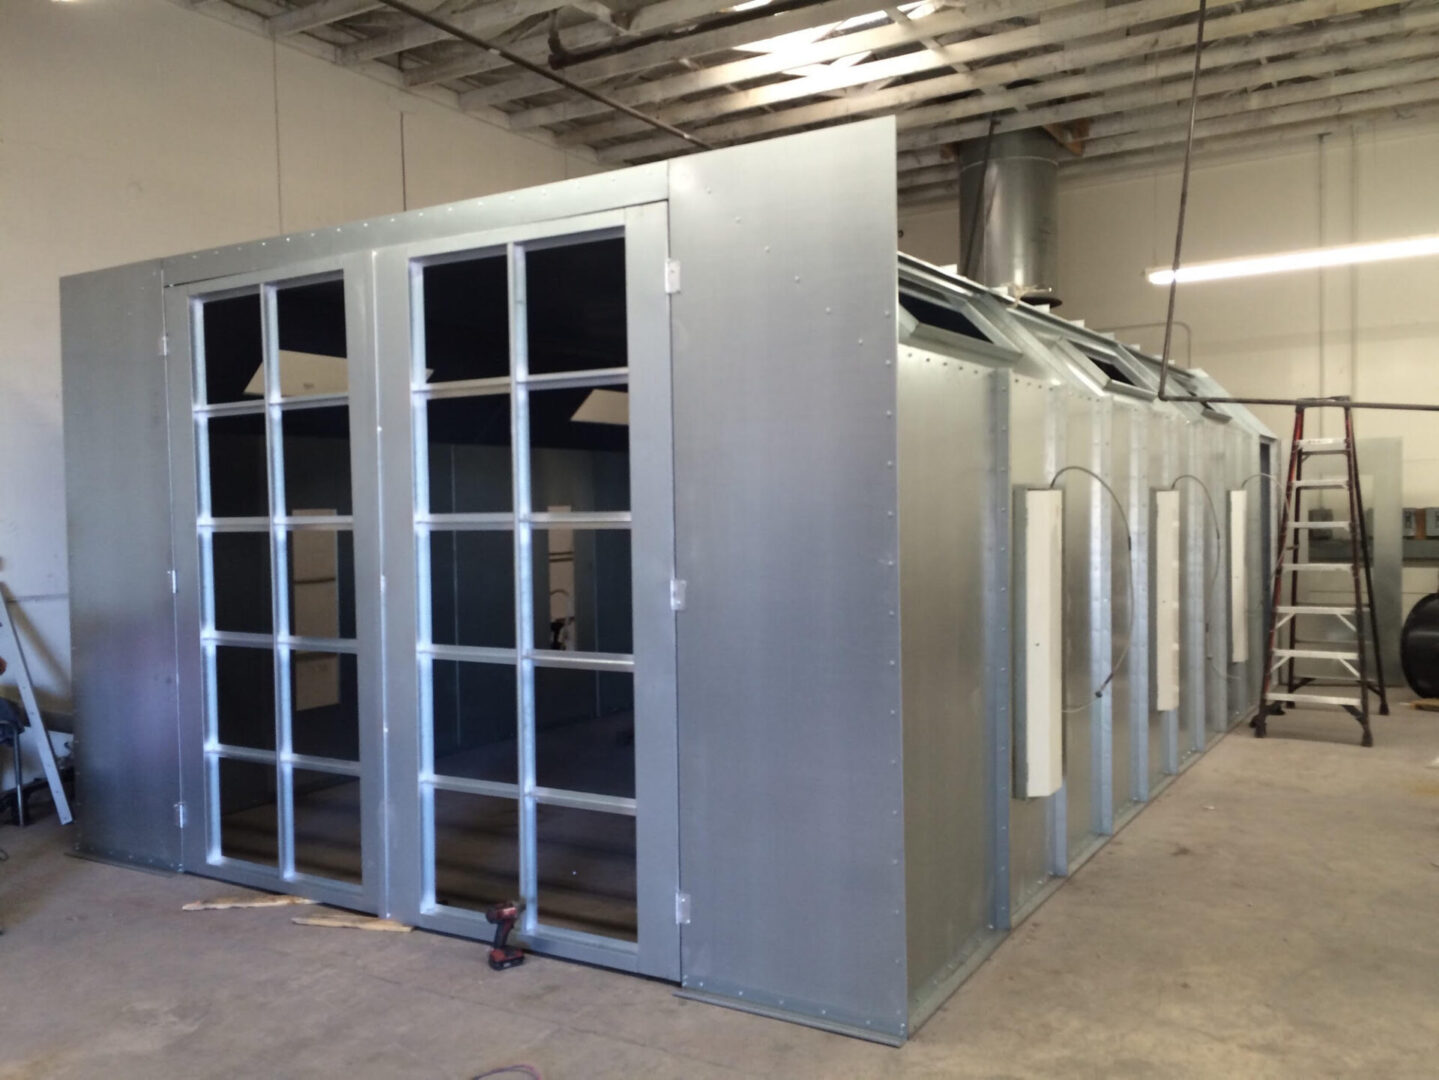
1183 202
1293 403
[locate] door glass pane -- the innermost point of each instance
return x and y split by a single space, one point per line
582 590
240 573
248 814
585 731
311 329
580 448
477 850
245 697
472 589
321 582
576 306
586 864
324 696
239 474
232 350
467 319
475 722
317 460
327 825
468 449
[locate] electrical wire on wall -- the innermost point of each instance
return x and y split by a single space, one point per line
1218 550
1128 579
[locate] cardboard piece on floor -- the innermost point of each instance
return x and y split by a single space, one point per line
338 920
1428 704
224 903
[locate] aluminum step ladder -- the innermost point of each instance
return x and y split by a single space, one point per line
11 650
1345 663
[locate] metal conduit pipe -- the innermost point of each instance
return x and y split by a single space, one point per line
538 69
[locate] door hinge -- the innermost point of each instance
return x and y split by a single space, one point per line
677 594
174 583
164 344
672 276
682 908
180 814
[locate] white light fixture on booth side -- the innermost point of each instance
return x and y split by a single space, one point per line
1311 259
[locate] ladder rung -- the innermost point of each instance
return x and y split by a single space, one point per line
1314 609
1316 453
1329 566
1324 482
1312 699
1316 654
1319 524
1305 444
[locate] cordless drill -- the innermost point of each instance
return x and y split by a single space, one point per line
502 954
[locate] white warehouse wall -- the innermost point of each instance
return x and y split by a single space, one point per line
132 129
1370 332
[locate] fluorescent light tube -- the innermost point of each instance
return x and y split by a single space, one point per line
1312 259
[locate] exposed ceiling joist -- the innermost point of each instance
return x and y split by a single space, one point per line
1052 32
482 20
691 46
730 71
1039 69
1128 106
821 52
321 13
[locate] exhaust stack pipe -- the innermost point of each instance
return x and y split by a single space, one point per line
1014 198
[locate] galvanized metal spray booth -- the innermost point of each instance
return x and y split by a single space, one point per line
632 547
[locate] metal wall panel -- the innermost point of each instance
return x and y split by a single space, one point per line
1101 624
1032 451
1165 453
791 816
1215 471
1082 428
944 466
122 619
1197 531
1122 467
1382 460
1143 427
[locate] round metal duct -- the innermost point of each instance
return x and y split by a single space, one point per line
1015 246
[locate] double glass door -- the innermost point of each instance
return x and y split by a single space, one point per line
429 602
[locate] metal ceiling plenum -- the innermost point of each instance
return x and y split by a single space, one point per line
1110 79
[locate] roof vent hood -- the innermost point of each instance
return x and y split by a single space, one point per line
1016 247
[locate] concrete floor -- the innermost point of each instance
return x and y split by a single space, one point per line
1273 914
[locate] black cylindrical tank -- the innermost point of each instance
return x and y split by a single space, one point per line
1419 647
